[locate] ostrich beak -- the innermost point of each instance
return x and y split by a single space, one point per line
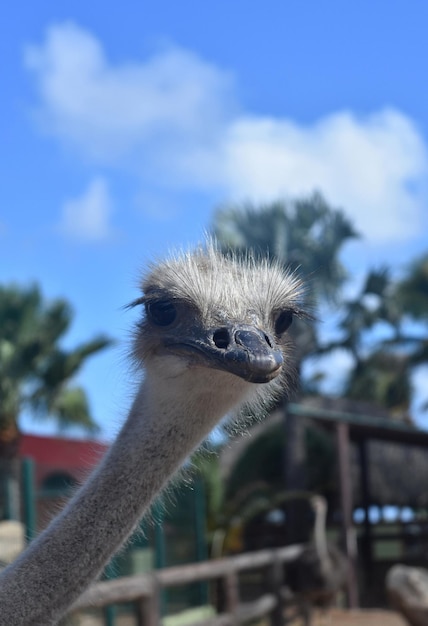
250 354
243 350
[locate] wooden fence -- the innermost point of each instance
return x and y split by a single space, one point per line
144 590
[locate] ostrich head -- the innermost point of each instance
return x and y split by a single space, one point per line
213 335
318 504
219 321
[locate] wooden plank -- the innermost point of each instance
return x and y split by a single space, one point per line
208 570
126 589
289 553
138 587
366 426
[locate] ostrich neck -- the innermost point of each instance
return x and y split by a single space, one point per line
320 537
157 436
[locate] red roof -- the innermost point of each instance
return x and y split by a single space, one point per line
56 454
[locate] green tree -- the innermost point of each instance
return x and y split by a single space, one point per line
305 235
412 295
369 330
384 328
412 290
36 372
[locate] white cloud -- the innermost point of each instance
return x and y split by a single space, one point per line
370 166
109 110
88 217
174 117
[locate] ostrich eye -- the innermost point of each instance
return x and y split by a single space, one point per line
283 322
161 312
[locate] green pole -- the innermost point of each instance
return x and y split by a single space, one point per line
110 615
8 490
30 517
160 550
200 533
160 553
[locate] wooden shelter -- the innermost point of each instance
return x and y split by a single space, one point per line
380 460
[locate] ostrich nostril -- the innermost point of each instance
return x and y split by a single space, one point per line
268 340
221 338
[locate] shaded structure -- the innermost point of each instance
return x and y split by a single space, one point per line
375 461
386 465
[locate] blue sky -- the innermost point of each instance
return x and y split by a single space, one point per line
123 126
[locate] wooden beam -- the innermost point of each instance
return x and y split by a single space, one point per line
366 543
348 530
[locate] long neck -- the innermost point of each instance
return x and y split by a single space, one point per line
320 537
157 436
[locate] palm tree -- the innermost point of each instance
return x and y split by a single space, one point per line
383 379
412 295
307 236
35 372
412 290
375 331
379 373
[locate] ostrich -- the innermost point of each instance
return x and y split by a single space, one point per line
320 571
407 589
212 339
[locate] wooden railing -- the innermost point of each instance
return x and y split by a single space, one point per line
144 590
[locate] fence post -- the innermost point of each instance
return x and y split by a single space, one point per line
29 499
148 608
275 579
367 538
231 594
348 530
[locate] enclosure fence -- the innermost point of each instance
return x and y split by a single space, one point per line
145 591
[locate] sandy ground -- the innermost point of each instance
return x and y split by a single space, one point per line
339 617
335 617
